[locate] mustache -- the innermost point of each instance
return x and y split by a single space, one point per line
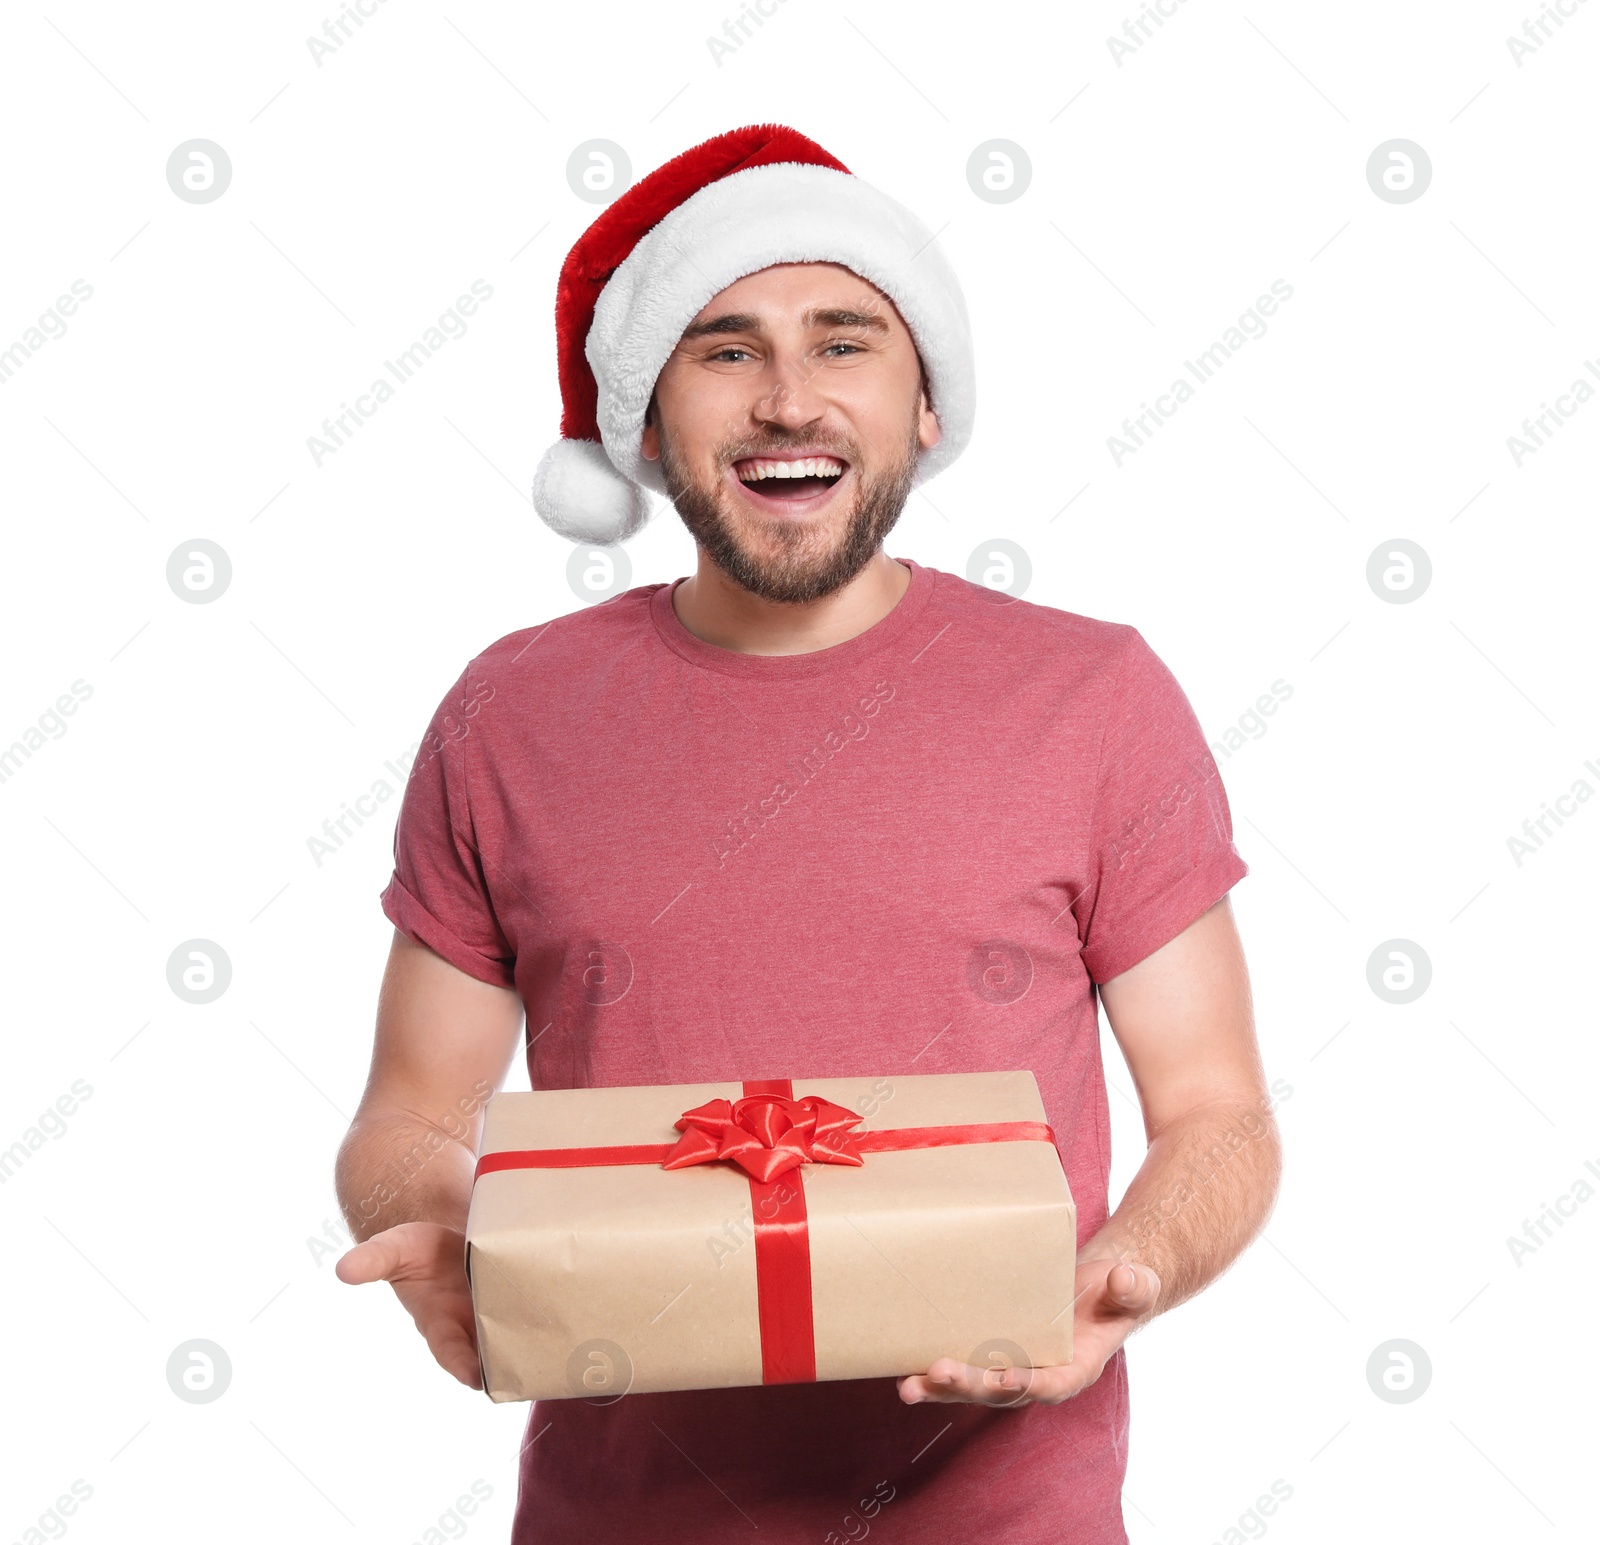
845 454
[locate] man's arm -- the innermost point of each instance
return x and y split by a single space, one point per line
404 1172
1183 1019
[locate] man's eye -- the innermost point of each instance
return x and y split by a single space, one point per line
734 348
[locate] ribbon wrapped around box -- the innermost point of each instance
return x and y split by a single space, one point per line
698 1236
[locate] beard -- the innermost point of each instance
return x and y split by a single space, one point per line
797 561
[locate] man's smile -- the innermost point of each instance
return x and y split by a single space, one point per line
788 484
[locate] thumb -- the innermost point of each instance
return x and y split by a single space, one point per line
1132 1290
393 1253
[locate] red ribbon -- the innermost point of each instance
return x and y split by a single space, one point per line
768 1133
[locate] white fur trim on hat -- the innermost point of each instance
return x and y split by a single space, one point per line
580 495
784 212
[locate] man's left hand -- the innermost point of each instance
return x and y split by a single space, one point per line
1112 1298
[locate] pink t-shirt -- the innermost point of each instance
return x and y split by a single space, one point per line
914 852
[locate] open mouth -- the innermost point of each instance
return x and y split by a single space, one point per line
791 484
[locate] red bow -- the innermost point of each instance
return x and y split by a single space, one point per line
766 1135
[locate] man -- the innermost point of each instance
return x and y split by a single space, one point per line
811 811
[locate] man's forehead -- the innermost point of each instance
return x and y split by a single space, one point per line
755 321
822 294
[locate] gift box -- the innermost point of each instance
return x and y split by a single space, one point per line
698 1236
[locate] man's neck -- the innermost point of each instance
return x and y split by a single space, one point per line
715 609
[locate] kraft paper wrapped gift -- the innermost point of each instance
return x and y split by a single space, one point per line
697 1236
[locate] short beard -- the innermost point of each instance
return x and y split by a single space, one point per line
793 576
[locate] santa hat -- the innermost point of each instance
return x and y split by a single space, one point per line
641 272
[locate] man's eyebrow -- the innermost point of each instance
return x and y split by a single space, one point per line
728 322
817 316
844 317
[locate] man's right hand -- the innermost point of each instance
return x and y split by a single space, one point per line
425 1263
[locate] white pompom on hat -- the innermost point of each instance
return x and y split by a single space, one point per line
643 270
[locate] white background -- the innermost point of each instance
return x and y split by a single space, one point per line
1167 193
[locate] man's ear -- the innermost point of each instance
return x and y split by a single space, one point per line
929 432
649 439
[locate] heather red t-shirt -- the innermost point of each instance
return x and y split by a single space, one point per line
914 852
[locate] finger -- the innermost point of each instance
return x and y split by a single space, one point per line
950 1381
406 1250
375 1260
940 1382
453 1349
976 1386
1132 1290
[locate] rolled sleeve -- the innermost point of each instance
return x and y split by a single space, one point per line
1161 837
438 895
417 923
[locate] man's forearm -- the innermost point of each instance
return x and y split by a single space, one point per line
1206 1186
395 1167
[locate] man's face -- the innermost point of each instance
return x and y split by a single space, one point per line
798 362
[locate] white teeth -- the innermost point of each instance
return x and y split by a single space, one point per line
811 466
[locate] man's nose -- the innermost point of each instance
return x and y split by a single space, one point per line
787 395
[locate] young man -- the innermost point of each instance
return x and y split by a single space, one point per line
811 811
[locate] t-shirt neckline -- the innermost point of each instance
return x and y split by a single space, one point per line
789 667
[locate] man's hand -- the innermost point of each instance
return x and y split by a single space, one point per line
1112 1298
425 1264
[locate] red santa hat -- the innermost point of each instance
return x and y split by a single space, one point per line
641 272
